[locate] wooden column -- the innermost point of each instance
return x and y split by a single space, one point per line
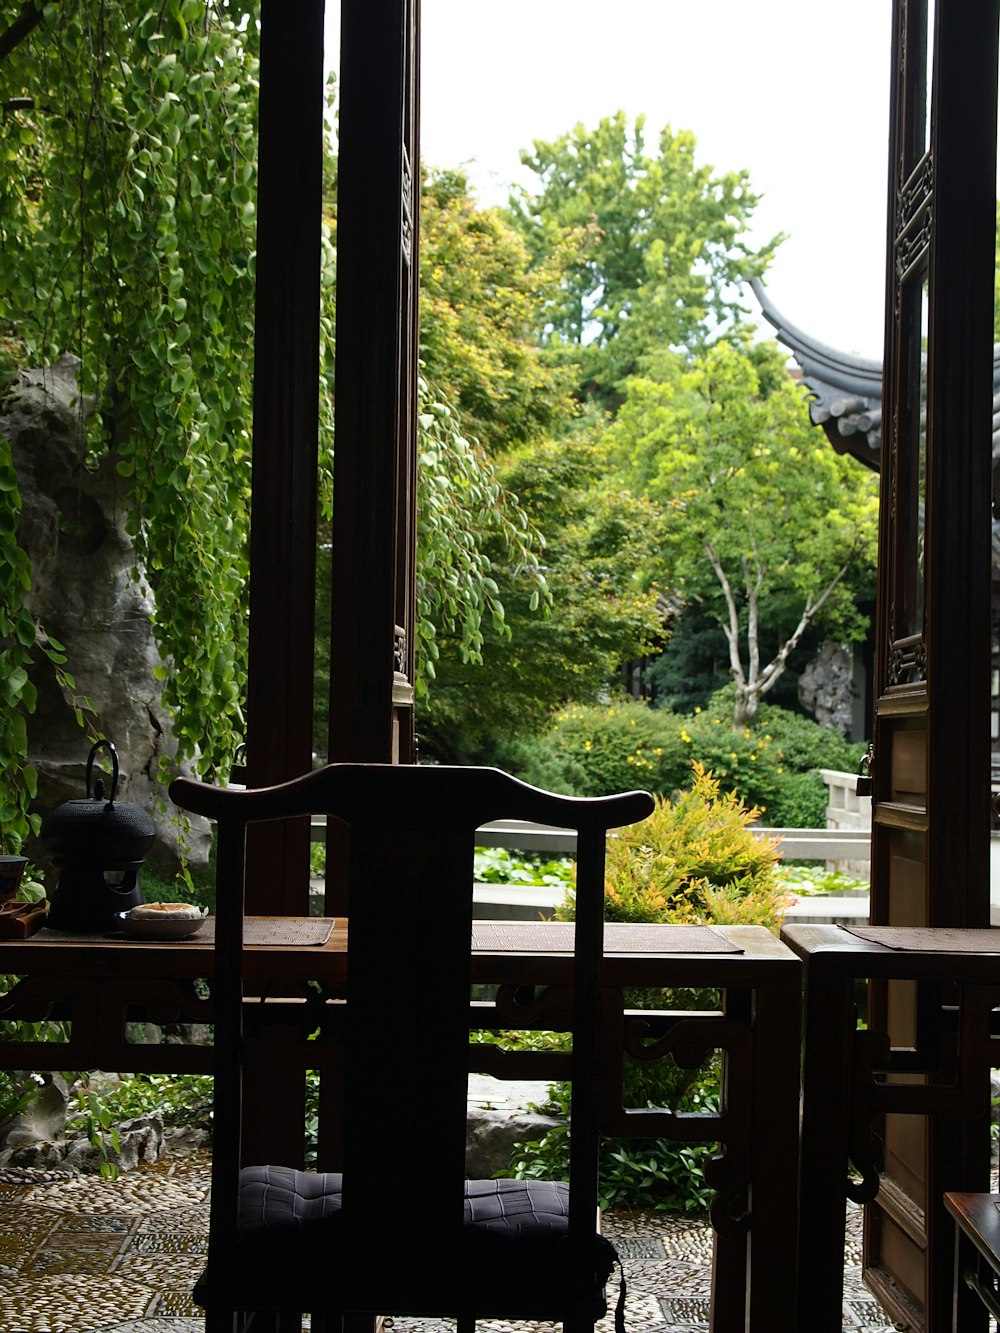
931 814
371 668
283 481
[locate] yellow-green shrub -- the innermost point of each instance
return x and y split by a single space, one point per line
694 859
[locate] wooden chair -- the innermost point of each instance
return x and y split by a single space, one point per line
400 1230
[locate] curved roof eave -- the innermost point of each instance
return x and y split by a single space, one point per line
856 374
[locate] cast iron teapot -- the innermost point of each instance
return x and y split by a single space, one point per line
98 844
96 830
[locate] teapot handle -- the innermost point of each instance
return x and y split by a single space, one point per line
109 746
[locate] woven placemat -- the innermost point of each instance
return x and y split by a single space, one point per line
929 939
297 930
619 937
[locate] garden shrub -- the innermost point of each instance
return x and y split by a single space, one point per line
774 765
594 749
651 1174
694 859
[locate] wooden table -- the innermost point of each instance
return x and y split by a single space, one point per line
977 1249
100 985
851 1077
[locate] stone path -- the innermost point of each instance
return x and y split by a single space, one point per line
83 1255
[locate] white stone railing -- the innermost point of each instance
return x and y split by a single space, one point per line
845 809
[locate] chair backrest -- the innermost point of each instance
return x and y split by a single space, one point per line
411 835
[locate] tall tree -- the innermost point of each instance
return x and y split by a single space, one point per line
770 524
601 544
659 245
481 302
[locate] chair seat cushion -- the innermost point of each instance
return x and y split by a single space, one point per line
515 1258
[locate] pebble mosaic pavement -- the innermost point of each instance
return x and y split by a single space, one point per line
83 1255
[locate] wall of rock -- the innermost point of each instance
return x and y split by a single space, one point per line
88 594
827 690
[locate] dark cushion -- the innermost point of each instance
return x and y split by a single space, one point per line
515 1259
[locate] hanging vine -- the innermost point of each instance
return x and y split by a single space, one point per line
127 224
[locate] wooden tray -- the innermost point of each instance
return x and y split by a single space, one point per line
19 925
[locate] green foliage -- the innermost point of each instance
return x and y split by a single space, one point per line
29 891
694 859
496 865
599 542
21 640
482 384
618 746
177 1099
774 765
771 525
655 1175
481 302
189 886
18 636
807 880
694 664
469 526
17 1090
655 244
127 222
96 1118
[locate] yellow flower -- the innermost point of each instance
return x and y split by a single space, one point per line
685 738
697 709
587 745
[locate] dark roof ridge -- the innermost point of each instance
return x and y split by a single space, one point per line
856 374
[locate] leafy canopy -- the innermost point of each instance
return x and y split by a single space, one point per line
768 520
657 242
600 542
481 301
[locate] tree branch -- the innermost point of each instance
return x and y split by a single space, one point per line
753 586
771 673
732 630
22 27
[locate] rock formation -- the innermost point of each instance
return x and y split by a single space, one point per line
89 595
826 687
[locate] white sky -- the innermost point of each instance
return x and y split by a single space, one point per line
793 91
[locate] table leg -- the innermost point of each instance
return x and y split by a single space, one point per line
774 1145
830 1022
